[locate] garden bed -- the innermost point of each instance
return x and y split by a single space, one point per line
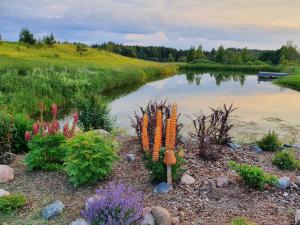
201 203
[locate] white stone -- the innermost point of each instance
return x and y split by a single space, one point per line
187 179
148 219
79 222
3 193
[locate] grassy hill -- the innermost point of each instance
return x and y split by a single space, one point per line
35 74
292 81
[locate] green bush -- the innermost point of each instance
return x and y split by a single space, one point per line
45 152
242 221
270 142
286 160
159 170
253 176
11 202
22 123
89 157
94 113
6 132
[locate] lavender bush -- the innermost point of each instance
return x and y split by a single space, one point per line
115 204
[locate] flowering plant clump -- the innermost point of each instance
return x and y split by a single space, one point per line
116 203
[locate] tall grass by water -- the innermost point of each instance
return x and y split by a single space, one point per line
292 81
30 75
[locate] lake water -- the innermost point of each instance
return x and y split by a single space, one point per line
261 105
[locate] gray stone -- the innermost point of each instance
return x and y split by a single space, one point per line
6 174
54 209
298 181
3 193
148 219
234 146
163 188
102 132
79 222
161 216
297 217
257 149
283 183
130 157
287 145
222 181
297 146
187 179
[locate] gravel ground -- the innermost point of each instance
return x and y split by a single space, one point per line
202 203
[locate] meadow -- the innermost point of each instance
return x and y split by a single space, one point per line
292 81
31 75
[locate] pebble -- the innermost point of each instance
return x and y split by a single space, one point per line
130 157
222 181
187 179
163 188
79 222
53 209
234 146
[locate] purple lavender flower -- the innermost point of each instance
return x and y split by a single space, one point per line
115 204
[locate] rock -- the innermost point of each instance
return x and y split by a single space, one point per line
162 188
222 181
54 209
257 149
6 174
234 146
148 219
298 181
283 183
297 146
3 193
187 179
161 216
146 210
102 132
79 222
175 221
130 157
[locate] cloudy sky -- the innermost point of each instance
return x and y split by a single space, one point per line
264 24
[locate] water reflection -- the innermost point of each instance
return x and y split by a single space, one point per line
195 92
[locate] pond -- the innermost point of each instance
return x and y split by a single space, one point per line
262 106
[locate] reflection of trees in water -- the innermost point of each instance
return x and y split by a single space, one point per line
195 78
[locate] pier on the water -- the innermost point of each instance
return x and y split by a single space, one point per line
271 75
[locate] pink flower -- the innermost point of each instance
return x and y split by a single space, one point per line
66 130
54 110
27 136
55 126
76 118
36 128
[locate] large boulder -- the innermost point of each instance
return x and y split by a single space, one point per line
187 179
161 216
54 209
6 174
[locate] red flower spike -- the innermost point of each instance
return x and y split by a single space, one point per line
75 118
54 111
36 128
27 136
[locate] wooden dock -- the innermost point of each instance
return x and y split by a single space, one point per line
271 75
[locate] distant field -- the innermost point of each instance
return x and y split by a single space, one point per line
35 74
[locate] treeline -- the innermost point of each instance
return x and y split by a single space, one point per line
286 55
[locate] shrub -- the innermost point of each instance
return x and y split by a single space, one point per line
94 113
6 134
212 131
270 142
159 170
49 40
11 202
89 157
253 176
242 221
286 160
22 123
45 152
27 37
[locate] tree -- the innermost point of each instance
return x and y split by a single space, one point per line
26 37
81 49
220 55
192 54
49 40
171 58
289 52
0 39
246 57
212 55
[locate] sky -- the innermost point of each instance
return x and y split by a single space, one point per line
262 24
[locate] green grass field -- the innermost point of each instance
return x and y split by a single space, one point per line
40 74
292 81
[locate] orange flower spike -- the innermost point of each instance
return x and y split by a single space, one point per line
168 136
173 127
158 136
169 158
145 137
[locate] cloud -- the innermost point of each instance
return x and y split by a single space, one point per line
176 23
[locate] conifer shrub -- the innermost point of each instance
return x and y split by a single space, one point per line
253 176
286 160
11 202
89 157
270 142
115 203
